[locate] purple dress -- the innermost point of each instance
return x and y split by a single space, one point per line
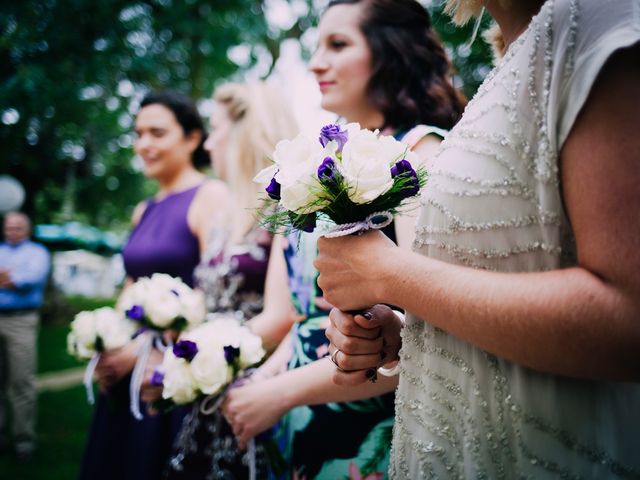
119 446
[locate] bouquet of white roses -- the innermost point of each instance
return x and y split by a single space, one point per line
207 359
162 302
158 303
95 332
355 177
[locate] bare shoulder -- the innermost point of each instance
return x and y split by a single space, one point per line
212 189
427 148
138 211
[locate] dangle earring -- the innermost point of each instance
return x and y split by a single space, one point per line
476 27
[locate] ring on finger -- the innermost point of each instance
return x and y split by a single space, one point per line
334 359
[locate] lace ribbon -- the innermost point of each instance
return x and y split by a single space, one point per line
88 377
375 221
153 340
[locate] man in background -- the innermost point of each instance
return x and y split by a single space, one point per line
24 269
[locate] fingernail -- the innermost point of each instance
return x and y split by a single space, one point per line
367 315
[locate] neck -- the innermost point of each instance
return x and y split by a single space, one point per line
367 119
181 180
513 18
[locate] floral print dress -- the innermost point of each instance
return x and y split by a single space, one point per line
335 440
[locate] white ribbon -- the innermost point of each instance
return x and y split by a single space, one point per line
138 372
88 377
375 221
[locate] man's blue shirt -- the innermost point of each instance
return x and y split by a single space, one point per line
28 263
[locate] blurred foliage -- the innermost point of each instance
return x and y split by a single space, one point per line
72 72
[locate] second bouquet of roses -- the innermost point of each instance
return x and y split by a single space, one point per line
357 178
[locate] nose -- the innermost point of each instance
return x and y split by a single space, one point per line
208 143
317 62
142 142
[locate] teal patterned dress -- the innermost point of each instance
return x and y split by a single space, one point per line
335 440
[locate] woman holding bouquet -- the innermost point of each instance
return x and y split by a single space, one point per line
520 352
378 63
169 233
247 122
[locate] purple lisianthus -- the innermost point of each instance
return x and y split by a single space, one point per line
273 189
333 132
412 186
157 378
185 349
231 353
135 313
327 171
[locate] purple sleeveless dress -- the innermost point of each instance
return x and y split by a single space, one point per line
119 446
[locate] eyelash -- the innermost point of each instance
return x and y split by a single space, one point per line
337 44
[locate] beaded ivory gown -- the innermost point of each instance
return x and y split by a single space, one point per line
493 202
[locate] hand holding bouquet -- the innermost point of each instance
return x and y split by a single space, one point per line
356 178
95 332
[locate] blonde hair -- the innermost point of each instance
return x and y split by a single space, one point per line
461 11
261 118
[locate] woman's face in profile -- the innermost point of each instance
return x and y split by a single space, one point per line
218 139
342 61
161 142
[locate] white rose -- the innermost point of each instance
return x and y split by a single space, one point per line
193 306
178 383
114 330
210 369
366 163
297 162
251 351
77 349
162 307
84 328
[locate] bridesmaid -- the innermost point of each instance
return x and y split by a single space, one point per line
377 63
169 235
247 122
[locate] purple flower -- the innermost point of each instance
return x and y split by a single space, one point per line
412 185
135 313
306 222
185 349
273 189
157 378
333 132
327 171
231 353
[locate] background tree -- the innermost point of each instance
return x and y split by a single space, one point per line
72 71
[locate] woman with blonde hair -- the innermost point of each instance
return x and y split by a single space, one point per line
246 123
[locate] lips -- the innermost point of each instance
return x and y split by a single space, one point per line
324 85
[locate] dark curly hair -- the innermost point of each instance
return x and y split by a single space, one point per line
410 81
187 115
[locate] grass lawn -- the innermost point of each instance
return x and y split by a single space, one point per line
52 338
63 420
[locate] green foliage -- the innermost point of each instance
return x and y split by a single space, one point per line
72 72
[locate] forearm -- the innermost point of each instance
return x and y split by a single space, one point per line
313 384
567 322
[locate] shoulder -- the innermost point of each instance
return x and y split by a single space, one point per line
35 248
211 195
138 211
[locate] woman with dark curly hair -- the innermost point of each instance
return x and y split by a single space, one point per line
378 63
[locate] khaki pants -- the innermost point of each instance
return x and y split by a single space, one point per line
18 333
